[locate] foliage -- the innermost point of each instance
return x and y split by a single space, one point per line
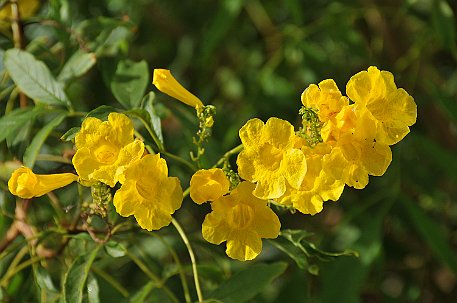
393 241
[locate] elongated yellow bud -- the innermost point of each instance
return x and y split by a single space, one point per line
167 84
25 184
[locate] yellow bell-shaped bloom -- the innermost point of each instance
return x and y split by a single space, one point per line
148 193
269 157
105 148
392 108
242 220
208 185
25 184
167 84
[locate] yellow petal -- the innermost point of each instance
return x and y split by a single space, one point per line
294 167
376 158
251 132
208 185
246 247
166 83
279 133
126 199
25 184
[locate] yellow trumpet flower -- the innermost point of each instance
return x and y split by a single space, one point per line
25 184
167 84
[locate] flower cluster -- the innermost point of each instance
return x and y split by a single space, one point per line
341 142
107 153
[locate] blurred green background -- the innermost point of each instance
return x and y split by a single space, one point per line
254 58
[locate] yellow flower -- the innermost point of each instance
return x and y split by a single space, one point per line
242 220
105 149
317 186
166 83
357 152
208 185
25 184
148 193
26 9
325 97
392 108
269 157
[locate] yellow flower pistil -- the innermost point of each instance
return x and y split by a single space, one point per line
392 108
242 220
148 193
105 149
208 185
269 157
25 184
357 153
317 186
167 84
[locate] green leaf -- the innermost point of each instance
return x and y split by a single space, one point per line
115 249
444 22
77 65
297 238
92 289
34 148
70 134
145 118
129 82
34 78
76 277
143 293
432 234
155 119
246 284
102 112
291 250
13 122
44 282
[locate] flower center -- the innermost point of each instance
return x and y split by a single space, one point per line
240 216
145 189
271 157
106 153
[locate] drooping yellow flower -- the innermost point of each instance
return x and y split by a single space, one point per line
208 185
166 83
25 184
105 149
357 152
325 97
317 186
148 193
269 157
392 108
242 220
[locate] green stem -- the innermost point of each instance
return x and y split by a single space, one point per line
115 284
179 159
18 268
192 258
233 151
152 276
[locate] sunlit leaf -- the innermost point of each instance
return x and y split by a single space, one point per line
34 78
77 65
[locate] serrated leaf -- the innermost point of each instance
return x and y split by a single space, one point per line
115 249
92 289
34 78
246 284
129 82
76 277
78 64
33 149
70 134
155 119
